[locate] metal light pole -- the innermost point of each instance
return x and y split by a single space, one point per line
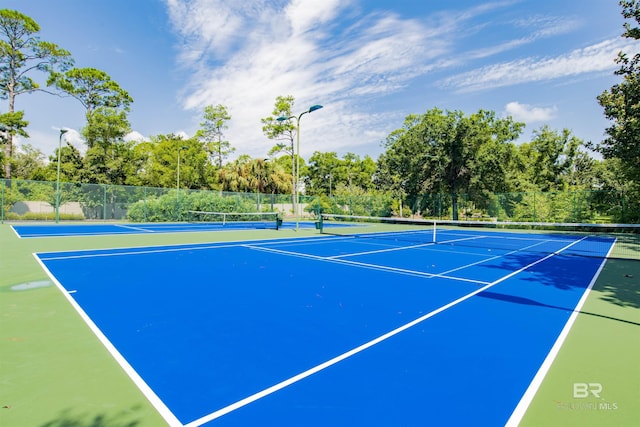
184 147
296 171
62 132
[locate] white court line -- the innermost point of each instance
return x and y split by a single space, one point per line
366 265
540 241
134 228
270 390
534 386
491 259
443 275
53 236
141 252
392 249
159 249
400 248
15 232
507 235
153 398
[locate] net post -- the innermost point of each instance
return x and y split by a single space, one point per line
319 223
434 231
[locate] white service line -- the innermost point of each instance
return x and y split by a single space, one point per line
177 247
141 252
151 250
392 249
492 258
135 228
401 248
366 265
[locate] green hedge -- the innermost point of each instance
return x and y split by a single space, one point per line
174 205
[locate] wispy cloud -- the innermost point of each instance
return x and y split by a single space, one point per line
245 54
319 52
308 15
208 27
595 58
547 26
530 114
533 29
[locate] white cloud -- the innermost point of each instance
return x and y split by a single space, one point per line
536 28
528 113
47 142
372 55
245 54
74 138
595 58
305 15
182 134
134 136
546 26
201 26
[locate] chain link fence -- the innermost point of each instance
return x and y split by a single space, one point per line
38 200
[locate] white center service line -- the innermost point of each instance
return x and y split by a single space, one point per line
366 265
492 258
135 228
401 248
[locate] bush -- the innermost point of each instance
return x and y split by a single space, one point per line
174 207
44 216
10 216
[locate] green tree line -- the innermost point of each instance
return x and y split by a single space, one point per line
470 158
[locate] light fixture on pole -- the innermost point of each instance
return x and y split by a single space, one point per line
296 167
62 132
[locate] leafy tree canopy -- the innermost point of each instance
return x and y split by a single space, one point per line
21 53
621 103
211 132
93 88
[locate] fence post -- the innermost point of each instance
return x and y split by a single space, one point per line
104 203
144 204
2 205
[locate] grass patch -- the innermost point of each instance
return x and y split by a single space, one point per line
602 348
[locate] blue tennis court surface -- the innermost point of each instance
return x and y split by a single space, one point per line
330 331
66 230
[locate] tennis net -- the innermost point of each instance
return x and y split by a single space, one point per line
266 220
594 240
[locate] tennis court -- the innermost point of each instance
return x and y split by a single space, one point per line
336 330
216 222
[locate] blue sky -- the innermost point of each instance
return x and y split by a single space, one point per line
368 62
